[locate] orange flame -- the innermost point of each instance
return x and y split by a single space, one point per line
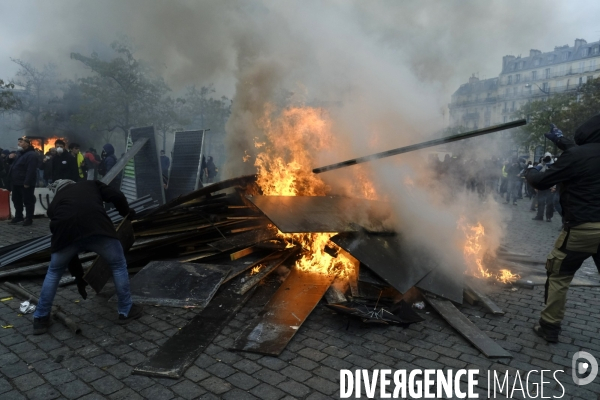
284 169
505 276
255 270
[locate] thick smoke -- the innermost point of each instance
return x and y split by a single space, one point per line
384 70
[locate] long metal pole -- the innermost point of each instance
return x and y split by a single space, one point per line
424 145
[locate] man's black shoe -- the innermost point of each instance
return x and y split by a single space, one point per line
134 313
40 325
551 337
16 220
548 219
27 222
537 218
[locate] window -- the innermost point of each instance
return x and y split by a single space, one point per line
515 91
537 62
551 58
507 91
547 73
510 79
513 106
505 119
545 86
595 50
565 55
592 65
517 78
581 67
581 82
561 70
585 51
533 75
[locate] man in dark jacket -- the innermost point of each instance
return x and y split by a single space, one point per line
64 165
23 177
513 181
108 159
79 223
577 172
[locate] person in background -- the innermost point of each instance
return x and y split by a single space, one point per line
513 181
40 171
79 159
545 198
64 166
23 176
4 168
203 173
78 223
91 164
47 166
211 170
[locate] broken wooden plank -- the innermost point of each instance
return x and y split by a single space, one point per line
470 297
244 239
466 328
100 271
265 268
306 214
279 320
179 351
484 299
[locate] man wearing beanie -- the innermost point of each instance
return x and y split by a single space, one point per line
577 174
78 223
23 177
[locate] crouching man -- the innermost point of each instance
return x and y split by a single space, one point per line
78 223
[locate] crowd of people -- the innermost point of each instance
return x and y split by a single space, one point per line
503 178
23 170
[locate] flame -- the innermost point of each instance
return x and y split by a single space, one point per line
255 270
284 169
505 276
48 142
473 249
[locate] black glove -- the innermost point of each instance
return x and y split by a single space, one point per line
76 270
554 134
131 214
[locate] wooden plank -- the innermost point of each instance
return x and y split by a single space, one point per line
279 320
470 297
466 328
266 267
100 271
244 239
122 162
484 299
179 351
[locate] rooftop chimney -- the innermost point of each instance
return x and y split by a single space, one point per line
534 52
473 79
506 60
580 42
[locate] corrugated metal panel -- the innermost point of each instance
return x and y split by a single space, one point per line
148 178
185 165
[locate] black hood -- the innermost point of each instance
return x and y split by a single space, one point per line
589 131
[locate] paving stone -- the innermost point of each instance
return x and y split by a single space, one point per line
74 389
269 376
221 370
196 374
59 376
267 392
295 373
216 385
187 390
242 381
44 392
107 385
236 394
294 388
89 374
125 393
138 382
27 382
157 392
13 395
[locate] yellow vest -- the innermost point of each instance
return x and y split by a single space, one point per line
79 162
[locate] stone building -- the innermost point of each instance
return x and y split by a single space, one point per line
481 103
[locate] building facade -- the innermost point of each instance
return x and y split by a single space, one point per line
484 102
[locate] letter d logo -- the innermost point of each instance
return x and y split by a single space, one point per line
582 367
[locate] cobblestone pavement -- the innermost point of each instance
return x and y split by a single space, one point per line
98 363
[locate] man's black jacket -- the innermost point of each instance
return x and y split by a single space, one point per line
23 170
77 211
64 166
577 170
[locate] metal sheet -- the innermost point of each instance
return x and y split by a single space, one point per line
100 271
388 258
280 319
185 163
122 162
488 303
301 214
444 283
180 350
465 327
148 178
175 284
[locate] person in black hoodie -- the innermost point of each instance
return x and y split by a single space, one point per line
577 174
23 177
78 223
64 165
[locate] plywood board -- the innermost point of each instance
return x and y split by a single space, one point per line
467 329
279 320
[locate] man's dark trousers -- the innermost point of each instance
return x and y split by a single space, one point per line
23 196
